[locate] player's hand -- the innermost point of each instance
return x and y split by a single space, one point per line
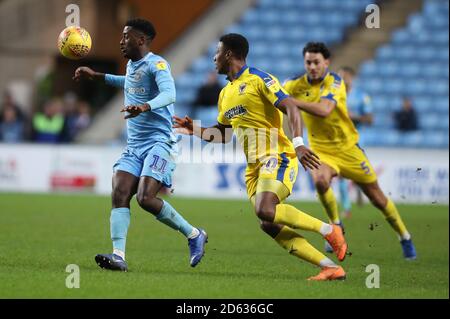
134 110
307 158
183 125
83 72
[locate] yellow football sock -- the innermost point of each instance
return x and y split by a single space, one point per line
298 246
330 204
394 219
290 216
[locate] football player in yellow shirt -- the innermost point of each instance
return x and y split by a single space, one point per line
321 96
251 106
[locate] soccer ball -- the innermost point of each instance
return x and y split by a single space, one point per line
74 43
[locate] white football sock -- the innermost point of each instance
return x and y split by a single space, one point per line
120 253
195 232
326 229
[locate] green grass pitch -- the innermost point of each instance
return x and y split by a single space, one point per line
41 234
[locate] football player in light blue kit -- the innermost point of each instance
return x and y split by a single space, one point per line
360 112
148 161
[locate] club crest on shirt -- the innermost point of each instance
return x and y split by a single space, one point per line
138 75
270 165
292 174
242 88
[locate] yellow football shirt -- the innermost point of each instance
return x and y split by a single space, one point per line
248 104
335 132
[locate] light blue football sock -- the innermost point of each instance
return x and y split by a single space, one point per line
169 216
120 220
344 196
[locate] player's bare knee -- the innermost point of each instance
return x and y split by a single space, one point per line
322 184
269 228
265 213
120 196
147 202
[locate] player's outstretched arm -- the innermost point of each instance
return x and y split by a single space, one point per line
83 72
216 134
307 158
321 109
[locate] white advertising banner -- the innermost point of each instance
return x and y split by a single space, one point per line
406 175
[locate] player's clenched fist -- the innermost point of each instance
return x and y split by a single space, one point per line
83 72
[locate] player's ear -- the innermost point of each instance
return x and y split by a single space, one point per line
142 40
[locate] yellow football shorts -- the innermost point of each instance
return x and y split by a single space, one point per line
276 174
352 164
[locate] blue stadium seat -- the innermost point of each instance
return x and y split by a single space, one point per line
388 69
441 105
185 97
391 137
383 120
405 52
183 109
412 139
202 65
416 87
368 68
423 103
436 139
393 85
385 52
207 116
373 85
429 121
401 37
251 16
386 103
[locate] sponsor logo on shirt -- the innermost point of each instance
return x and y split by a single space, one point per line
269 81
161 65
336 84
138 90
238 110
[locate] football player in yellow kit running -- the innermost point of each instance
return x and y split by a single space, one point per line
250 106
321 96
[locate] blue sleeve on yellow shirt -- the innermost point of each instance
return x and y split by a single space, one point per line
272 86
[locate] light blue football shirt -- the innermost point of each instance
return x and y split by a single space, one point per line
148 80
358 102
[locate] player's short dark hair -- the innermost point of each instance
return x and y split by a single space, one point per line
142 25
348 69
236 43
317 47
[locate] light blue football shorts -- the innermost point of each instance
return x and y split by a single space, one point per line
156 162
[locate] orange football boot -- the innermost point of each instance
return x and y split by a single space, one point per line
329 273
337 242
